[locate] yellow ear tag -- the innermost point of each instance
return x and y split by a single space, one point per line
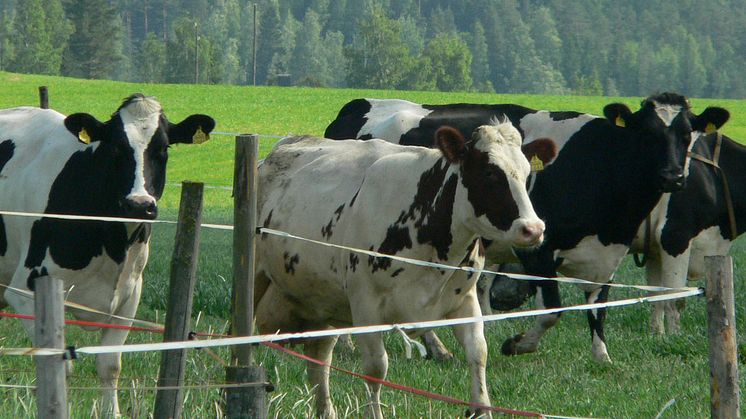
620 122
536 164
710 128
200 136
84 137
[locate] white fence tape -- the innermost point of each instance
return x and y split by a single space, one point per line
194 344
576 281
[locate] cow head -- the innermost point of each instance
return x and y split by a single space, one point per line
132 150
494 171
665 121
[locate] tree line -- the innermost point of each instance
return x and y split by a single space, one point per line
599 47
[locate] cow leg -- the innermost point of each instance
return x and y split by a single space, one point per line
471 338
596 319
435 348
318 375
657 314
547 296
109 366
375 364
21 303
674 274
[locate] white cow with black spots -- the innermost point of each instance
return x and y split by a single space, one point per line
415 202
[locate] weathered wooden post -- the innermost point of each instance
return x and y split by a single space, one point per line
168 402
721 334
244 402
43 97
49 332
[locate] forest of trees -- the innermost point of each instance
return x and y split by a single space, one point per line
595 47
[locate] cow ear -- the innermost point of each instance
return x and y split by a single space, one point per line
85 127
540 153
195 129
710 120
451 143
618 114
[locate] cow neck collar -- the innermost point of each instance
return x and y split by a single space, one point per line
714 162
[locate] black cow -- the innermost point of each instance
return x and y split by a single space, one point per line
701 220
77 165
608 175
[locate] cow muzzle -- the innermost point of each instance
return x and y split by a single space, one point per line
140 206
673 183
528 233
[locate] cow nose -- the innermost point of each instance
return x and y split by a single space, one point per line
531 234
141 207
673 183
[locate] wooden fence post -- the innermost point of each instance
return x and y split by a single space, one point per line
168 402
244 402
721 334
43 97
49 332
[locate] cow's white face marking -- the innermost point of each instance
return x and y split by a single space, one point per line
140 120
667 112
502 143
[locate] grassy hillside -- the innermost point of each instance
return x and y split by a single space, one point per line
647 372
270 111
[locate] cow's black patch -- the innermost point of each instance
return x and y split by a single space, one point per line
354 260
431 212
79 190
267 223
140 235
31 280
488 190
328 230
349 121
563 115
3 238
354 197
7 149
290 262
436 228
397 239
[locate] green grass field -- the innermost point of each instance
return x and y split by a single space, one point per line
560 379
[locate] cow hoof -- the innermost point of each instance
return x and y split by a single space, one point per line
440 356
479 414
510 346
602 358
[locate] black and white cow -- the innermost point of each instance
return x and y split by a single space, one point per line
77 165
609 173
695 222
341 192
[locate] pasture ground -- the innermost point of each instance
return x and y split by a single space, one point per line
647 372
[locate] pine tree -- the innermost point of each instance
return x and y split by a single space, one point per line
378 58
269 33
152 59
95 47
32 42
480 66
451 62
